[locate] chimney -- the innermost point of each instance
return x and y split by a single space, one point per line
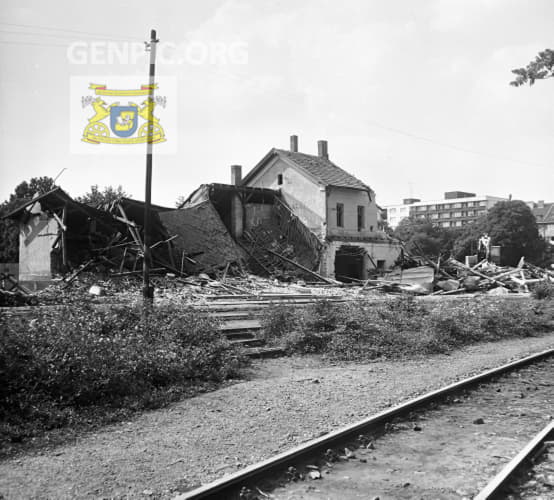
322 149
236 175
294 144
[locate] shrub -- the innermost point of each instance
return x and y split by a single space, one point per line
543 290
278 320
53 365
324 316
402 326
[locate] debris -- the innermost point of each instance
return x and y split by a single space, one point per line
97 290
448 285
331 456
349 453
17 298
478 421
471 283
314 474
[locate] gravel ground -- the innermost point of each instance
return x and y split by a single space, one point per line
285 401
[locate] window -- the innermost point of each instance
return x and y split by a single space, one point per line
434 216
458 223
340 215
392 210
469 203
361 217
457 214
432 207
280 179
381 264
458 205
371 228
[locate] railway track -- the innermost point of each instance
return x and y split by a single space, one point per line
519 475
389 455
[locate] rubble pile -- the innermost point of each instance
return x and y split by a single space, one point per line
488 277
454 277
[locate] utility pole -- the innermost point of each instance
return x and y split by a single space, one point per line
147 289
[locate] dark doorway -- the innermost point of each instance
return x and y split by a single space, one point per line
349 263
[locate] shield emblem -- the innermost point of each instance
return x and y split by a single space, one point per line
124 120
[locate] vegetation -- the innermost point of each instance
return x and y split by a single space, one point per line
539 69
422 236
98 197
401 327
9 233
510 224
543 290
60 369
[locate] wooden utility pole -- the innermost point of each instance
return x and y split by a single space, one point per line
147 289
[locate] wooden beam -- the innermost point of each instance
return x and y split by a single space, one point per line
300 266
476 273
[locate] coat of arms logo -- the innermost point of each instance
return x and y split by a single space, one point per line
121 124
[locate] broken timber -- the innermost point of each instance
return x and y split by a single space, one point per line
300 266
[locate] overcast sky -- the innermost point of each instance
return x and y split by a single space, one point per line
412 96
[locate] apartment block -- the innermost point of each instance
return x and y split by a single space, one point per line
456 209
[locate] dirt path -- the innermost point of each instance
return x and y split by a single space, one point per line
286 401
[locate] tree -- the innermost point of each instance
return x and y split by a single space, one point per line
539 69
511 225
9 233
421 235
180 200
96 197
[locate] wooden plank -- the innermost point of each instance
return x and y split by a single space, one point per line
300 266
476 273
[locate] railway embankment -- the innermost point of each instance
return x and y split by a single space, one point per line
283 403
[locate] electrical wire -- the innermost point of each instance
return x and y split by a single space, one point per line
451 146
78 32
50 35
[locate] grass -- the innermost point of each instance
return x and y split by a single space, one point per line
401 327
84 366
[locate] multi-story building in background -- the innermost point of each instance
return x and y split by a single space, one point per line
544 214
457 209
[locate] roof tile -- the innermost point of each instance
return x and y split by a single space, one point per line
324 170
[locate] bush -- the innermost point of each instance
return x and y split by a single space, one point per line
402 326
53 365
278 321
543 290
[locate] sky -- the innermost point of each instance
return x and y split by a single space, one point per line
412 97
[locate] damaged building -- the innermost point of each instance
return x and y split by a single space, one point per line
61 236
336 207
303 208
293 216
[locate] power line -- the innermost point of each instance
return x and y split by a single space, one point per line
50 35
13 42
78 32
451 146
